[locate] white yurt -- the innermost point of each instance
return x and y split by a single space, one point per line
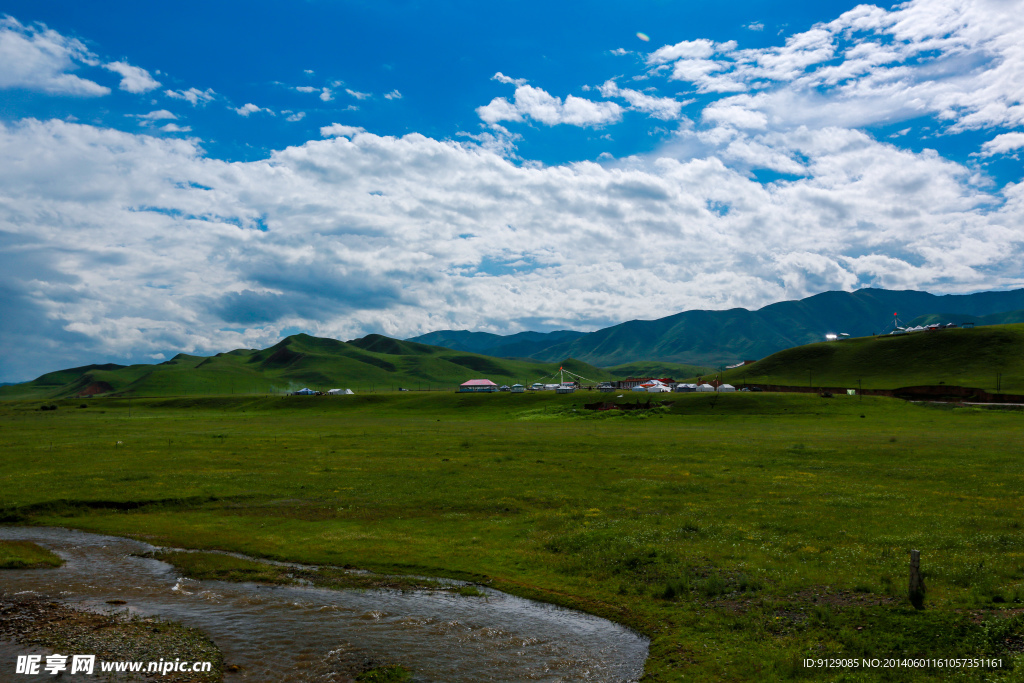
705 387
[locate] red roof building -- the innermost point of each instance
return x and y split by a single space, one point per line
478 385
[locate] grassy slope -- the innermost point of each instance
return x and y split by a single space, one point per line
779 522
371 363
958 357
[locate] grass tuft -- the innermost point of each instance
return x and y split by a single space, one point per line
26 555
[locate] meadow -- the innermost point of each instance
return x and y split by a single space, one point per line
743 533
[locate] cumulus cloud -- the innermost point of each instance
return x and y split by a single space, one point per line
134 79
961 61
539 105
502 78
340 130
38 58
1003 144
297 116
175 128
665 108
158 115
393 95
250 108
193 96
126 244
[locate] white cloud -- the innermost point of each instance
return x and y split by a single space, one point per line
134 79
340 130
620 52
326 95
502 78
297 116
541 106
961 61
357 95
307 88
38 58
193 96
731 112
157 115
393 95
250 108
1002 144
665 108
687 49
132 245
754 26
175 128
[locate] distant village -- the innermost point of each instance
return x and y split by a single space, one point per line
651 385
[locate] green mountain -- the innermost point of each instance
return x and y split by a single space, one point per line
374 362
982 358
723 337
676 371
519 345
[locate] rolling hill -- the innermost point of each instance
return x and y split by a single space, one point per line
372 362
971 358
722 337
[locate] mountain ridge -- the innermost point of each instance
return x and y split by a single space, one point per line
706 337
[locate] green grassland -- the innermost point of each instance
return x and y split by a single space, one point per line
26 555
961 357
373 363
741 532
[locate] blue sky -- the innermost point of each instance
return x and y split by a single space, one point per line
439 56
199 177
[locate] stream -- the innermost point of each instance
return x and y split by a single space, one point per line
302 634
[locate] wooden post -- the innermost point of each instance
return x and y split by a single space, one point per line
916 580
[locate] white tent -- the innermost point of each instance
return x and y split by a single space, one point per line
304 391
705 387
727 387
659 389
686 387
340 392
639 387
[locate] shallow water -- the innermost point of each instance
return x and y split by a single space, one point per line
294 633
